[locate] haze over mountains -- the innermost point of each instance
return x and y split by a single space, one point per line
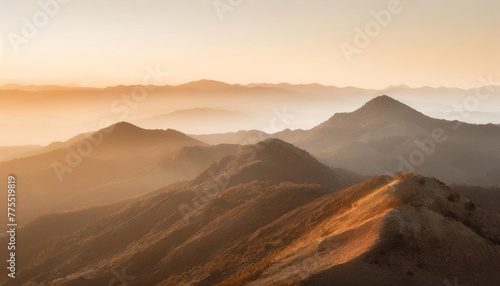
112 164
196 120
257 231
293 207
57 113
385 136
249 143
7 153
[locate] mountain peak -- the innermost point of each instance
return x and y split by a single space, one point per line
383 100
206 84
122 126
378 112
385 105
275 142
273 160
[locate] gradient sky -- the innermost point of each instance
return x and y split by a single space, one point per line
102 43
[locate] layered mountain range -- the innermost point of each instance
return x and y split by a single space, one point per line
339 204
58 112
271 214
115 163
385 136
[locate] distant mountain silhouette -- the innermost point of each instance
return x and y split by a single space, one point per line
11 152
117 162
381 137
312 88
189 120
385 136
205 84
240 137
385 105
14 86
80 108
119 139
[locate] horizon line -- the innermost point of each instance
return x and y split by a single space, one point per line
4 86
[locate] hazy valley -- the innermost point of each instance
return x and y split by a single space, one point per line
340 203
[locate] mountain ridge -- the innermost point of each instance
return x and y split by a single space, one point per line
286 233
379 107
272 160
118 158
387 136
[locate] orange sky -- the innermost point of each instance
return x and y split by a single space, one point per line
102 43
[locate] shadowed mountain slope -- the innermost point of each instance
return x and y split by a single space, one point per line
386 136
274 161
97 168
190 161
488 198
257 230
156 223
